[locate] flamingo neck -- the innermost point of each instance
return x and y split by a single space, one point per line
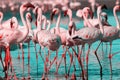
1 19
44 23
48 22
86 21
58 22
39 19
116 18
100 22
29 24
25 31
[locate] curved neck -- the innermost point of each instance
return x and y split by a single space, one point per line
1 18
100 22
39 19
25 31
58 22
49 24
116 18
44 23
29 24
22 18
86 21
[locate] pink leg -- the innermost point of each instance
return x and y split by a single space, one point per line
22 58
98 59
36 57
87 59
63 55
1 58
29 60
71 61
80 62
110 57
73 77
41 55
18 52
7 60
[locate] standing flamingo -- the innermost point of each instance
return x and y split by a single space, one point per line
89 35
19 35
111 33
50 40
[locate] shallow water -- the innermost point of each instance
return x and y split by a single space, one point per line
93 64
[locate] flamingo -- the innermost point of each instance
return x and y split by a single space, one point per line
50 40
89 35
111 33
95 21
6 24
19 35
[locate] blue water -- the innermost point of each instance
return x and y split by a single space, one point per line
93 63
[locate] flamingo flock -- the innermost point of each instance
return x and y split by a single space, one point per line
95 29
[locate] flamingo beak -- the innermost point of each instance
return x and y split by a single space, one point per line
29 5
11 23
91 13
30 17
52 15
65 12
76 37
103 7
35 23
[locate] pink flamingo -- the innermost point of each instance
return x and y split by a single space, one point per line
89 35
70 42
19 35
111 33
6 24
95 21
50 40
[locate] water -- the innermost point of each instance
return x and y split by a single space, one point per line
93 63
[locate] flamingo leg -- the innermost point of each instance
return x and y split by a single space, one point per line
80 62
87 59
36 57
110 57
7 60
63 55
65 64
74 61
71 61
18 52
1 58
41 55
22 58
98 60
28 60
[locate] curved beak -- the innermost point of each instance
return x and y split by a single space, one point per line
28 4
103 7
65 12
52 15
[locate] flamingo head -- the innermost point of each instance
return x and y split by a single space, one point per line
28 15
87 11
1 14
35 11
79 13
67 12
14 22
26 6
116 8
54 12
